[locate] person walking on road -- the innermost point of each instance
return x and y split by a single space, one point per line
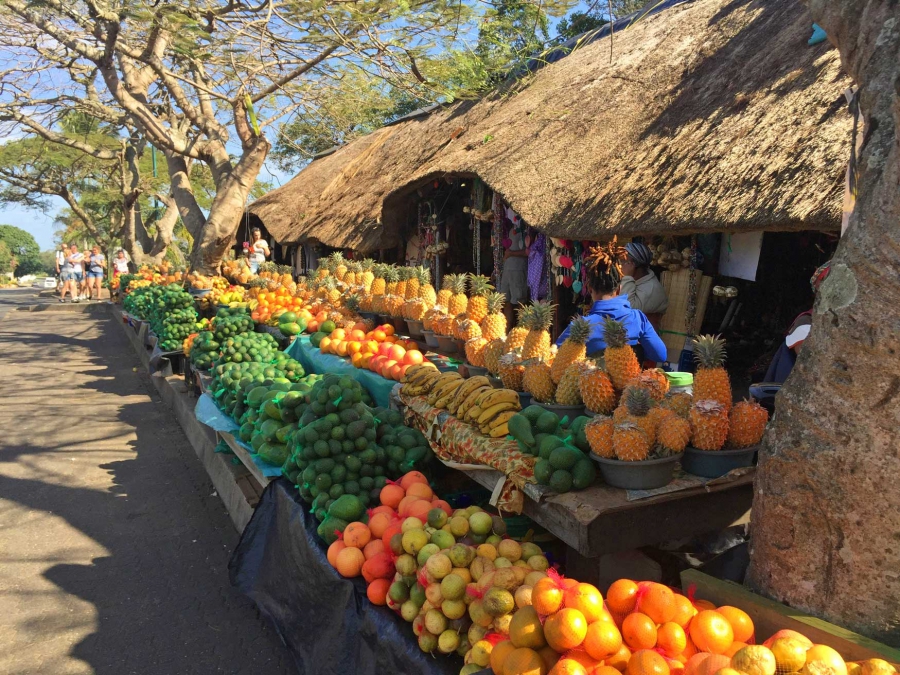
75 273
61 274
94 277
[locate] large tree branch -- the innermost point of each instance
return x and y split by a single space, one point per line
293 75
7 114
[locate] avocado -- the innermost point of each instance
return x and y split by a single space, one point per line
583 474
543 471
565 457
255 397
561 481
547 423
347 507
327 528
246 432
532 413
548 444
268 429
520 428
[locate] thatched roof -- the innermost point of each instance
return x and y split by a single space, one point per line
712 116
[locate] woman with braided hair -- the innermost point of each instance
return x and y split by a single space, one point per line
604 266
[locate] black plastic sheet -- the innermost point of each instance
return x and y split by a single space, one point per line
326 621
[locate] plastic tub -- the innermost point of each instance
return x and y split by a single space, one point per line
715 463
475 370
399 325
430 338
496 382
647 475
570 411
415 328
524 399
680 382
446 344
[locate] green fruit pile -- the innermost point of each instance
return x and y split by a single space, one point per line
270 419
176 326
204 351
290 324
233 381
169 309
407 449
562 465
249 347
231 323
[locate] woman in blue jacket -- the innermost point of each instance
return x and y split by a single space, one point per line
603 264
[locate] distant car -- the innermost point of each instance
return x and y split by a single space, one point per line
46 282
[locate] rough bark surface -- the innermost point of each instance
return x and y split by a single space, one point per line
826 513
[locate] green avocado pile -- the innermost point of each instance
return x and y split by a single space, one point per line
204 350
560 446
232 322
170 311
248 347
233 381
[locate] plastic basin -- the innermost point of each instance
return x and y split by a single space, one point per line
715 463
475 370
496 382
415 328
430 338
570 411
446 344
646 475
524 399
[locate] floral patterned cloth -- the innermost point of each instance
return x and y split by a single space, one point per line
456 441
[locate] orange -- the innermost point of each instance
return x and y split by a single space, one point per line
639 631
354 348
357 335
377 591
397 353
706 664
413 357
703 604
604 670
657 602
412 477
338 334
684 611
587 661
568 666
523 661
356 359
734 648
564 630
421 490
378 335
603 639
341 348
498 655
827 656
546 596
788 633
357 535
349 562
671 638
324 344
391 495
379 522
586 599
620 659
373 548
621 596
741 623
388 329
647 662
419 509
711 632
525 629
406 504
336 547
441 504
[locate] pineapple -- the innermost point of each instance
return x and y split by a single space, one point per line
429 318
621 362
711 381
475 351
638 403
679 403
537 381
493 325
443 297
404 274
353 269
393 305
630 443
368 276
709 421
458 301
567 392
492 354
392 278
426 290
379 285
747 424
599 432
654 380
597 391
416 309
468 330
338 265
512 370
573 349
412 284
673 434
516 337
537 342
479 288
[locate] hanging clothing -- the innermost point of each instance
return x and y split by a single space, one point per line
536 266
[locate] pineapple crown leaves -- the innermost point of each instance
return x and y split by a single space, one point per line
391 274
351 302
541 315
580 331
709 351
614 333
367 264
479 285
423 274
629 427
495 302
709 408
336 258
638 401
458 284
405 273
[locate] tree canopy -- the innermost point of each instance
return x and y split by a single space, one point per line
22 247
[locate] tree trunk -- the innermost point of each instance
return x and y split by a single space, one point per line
826 513
217 236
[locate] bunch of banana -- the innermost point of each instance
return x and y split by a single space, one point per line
491 411
419 379
467 392
444 388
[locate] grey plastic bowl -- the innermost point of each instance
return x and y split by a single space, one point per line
570 411
715 463
415 328
524 399
399 325
646 475
496 382
430 338
446 344
475 370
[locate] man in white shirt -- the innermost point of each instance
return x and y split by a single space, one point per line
640 284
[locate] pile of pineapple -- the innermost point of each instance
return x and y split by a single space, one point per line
639 419
237 271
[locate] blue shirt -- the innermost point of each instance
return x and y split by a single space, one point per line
637 326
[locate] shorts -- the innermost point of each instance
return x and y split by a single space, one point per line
254 267
75 276
63 276
94 275
514 280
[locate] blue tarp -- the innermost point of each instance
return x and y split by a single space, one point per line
208 413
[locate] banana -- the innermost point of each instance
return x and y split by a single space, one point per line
498 396
412 372
441 389
438 385
502 418
473 413
499 431
467 388
424 375
470 401
489 413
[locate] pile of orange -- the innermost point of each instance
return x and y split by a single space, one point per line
271 304
378 350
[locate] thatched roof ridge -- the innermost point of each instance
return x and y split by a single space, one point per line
714 115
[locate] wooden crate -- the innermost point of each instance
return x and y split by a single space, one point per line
770 616
673 330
